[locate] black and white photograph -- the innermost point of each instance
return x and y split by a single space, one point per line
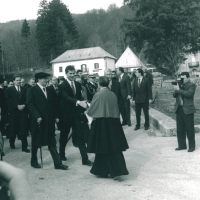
99 100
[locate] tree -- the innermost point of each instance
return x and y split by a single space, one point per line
25 31
166 31
56 31
25 34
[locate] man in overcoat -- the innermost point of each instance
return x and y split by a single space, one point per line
16 102
142 96
114 86
71 114
43 117
184 109
91 87
125 85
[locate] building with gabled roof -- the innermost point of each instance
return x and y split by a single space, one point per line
92 60
128 60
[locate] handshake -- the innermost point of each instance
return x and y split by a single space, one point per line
83 104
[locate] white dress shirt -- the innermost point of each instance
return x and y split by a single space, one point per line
45 92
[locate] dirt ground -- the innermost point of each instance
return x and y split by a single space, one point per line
156 171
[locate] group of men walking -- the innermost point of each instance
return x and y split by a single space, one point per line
37 108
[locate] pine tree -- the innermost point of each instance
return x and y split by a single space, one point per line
56 31
25 30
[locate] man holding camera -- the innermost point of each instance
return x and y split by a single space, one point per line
184 109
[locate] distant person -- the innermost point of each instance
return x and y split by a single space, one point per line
91 87
79 72
184 109
40 104
106 139
114 76
55 92
61 79
148 75
22 83
16 102
32 82
125 86
114 86
10 83
142 97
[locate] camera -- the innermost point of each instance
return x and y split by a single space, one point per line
180 82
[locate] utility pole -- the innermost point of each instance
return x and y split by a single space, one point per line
2 52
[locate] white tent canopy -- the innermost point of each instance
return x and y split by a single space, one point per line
128 60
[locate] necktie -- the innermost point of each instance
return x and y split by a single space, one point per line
73 88
18 88
44 89
139 82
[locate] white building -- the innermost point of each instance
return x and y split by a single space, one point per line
90 60
128 60
191 64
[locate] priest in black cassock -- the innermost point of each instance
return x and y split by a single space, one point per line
107 139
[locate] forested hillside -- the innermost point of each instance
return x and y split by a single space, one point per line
95 28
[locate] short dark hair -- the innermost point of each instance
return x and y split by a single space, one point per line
140 71
16 76
121 69
114 71
103 81
79 71
61 78
69 68
10 81
76 76
185 74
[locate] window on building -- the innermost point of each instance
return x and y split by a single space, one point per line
84 68
96 65
60 69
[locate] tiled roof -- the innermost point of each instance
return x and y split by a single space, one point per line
82 54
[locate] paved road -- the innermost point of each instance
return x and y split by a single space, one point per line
156 170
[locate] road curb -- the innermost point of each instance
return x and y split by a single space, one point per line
165 124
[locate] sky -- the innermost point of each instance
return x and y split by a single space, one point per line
21 9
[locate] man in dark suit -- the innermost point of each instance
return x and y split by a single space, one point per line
148 75
55 92
71 114
142 96
91 87
16 102
114 86
40 104
184 109
125 85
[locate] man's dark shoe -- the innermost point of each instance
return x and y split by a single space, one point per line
63 167
191 149
178 149
35 165
26 150
146 128
63 158
136 128
124 124
87 162
129 124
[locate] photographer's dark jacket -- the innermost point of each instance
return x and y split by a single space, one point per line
187 95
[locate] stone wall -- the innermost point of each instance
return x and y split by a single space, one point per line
159 83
